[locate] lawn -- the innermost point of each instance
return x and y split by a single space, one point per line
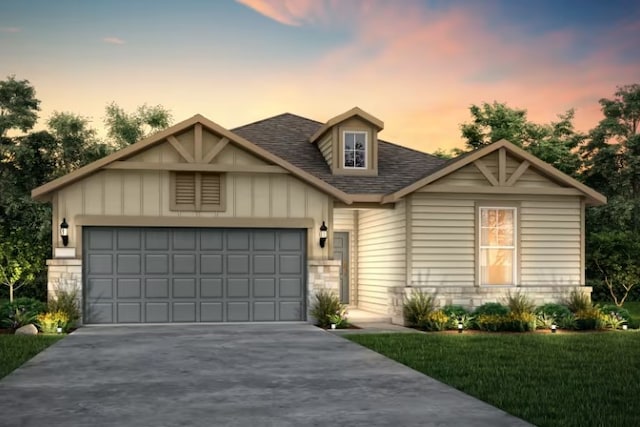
568 379
17 349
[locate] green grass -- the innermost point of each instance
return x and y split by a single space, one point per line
577 379
17 349
634 309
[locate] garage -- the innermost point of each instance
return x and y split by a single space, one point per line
166 275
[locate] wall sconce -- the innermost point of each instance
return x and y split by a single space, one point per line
64 232
323 234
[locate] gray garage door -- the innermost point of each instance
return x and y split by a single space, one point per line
146 275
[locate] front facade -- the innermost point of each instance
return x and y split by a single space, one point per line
202 224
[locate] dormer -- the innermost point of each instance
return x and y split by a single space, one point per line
349 143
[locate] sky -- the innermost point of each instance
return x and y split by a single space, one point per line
416 65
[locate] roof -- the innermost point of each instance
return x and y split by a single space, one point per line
287 136
354 112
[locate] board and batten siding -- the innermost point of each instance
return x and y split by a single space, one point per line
326 148
146 193
344 220
443 239
381 255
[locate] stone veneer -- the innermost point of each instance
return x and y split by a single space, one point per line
472 297
64 274
322 274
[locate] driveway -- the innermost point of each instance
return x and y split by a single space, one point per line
227 375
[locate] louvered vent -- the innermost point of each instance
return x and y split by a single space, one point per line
210 190
185 189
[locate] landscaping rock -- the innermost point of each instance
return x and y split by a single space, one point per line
27 330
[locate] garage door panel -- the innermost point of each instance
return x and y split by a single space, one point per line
264 288
238 264
129 288
211 312
238 312
156 288
238 287
264 264
129 312
160 275
128 239
101 313
156 240
211 288
184 311
128 264
100 264
264 311
184 288
157 312
100 288
211 264
291 310
156 263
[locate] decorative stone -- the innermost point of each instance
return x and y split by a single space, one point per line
27 330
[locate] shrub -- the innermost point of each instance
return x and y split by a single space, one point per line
417 308
519 303
455 310
553 309
457 313
589 318
578 301
612 320
49 322
491 308
519 322
325 305
436 321
618 311
545 320
20 312
67 303
466 320
567 322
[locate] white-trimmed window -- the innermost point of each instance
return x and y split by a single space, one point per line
355 150
498 251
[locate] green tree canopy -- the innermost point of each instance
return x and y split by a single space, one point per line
127 128
18 105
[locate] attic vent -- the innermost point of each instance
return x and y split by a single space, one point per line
197 191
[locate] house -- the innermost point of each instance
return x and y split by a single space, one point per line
198 223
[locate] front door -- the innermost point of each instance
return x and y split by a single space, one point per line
341 252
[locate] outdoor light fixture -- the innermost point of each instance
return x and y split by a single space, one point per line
624 326
323 234
460 326
554 327
64 232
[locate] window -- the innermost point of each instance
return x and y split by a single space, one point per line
355 150
197 191
497 246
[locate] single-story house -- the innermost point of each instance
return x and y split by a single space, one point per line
198 223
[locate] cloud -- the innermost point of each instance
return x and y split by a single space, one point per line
113 40
290 12
10 29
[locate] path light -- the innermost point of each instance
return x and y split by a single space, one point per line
624 326
323 234
460 326
554 327
64 232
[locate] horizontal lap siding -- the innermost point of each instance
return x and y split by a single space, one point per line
442 241
381 255
550 242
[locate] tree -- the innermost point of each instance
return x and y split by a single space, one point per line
18 105
17 267
554 143
125 129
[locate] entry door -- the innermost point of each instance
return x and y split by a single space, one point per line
341 252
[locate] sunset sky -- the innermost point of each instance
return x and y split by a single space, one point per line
416 65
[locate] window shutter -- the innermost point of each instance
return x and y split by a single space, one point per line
185 195
210 190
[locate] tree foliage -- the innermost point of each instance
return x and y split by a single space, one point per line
555 142
127 128
18 105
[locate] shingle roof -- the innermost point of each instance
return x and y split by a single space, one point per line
287 136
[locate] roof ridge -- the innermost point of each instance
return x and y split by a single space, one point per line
275 117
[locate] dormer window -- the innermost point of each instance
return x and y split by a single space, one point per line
355 150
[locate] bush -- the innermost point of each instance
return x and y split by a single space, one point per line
49 322
457 313
578 301
589 319
519 303
553 309
67 303
519 322
20 312
615 310
491 308
417 308
568 322
489 322
326 304
436 321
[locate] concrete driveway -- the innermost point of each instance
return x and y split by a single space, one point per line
227 375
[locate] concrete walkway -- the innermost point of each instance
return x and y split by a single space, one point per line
227 375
